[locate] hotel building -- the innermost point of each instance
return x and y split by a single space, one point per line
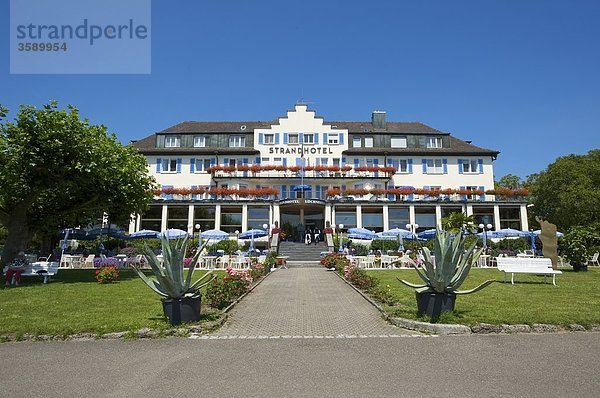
300 168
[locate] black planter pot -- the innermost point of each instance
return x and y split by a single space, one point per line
580 267
434 304
182 310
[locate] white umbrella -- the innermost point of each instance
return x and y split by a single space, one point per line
174 233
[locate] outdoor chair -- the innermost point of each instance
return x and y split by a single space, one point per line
594 259
223 261
45 259
89 261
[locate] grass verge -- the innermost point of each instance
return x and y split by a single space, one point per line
576 299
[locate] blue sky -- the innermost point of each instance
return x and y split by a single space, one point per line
521 77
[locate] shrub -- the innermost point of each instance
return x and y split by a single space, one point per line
227 245
107 274
359 278
577 244
258 270
106 262
335 260
222 292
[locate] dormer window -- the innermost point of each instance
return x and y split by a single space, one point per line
199 141
237 141
368 142
172 141
434 142
398 142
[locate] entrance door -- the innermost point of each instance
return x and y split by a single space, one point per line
291 223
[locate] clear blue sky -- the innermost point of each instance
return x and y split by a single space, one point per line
522 77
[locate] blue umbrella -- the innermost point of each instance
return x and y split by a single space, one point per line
511 233
144 233
427 234
362 236
489 234
381 236
297 188
64 245
214 234
533 238
403 233
174 233
253 233
558 234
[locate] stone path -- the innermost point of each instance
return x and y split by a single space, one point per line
305 303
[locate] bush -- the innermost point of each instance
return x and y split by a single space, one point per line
577 244
107 274
384 245
359 278
222 292
335 260
227 245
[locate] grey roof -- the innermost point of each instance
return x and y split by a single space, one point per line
457 147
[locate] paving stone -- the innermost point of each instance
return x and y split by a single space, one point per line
301 302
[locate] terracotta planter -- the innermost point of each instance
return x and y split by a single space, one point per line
182 310
434 304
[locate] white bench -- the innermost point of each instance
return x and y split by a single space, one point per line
523 265
40 268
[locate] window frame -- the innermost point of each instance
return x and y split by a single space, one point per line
398 137
473 165
177 142
333 139
433 169
307 135
434 142
269 139
355 140
370 139
200 137
296 137
238 141
204 163
168 162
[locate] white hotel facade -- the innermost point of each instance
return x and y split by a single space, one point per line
425 159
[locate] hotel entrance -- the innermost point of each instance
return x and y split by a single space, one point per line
298 215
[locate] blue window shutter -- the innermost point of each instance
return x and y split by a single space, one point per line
196 196
325 140
284 192
317 138
480 165
318 192
376 163
445 166
192 165
300 138
285 162
245 161
260 138
343 187
213 162
424 161
356 162
341 138
257 161
463 197
179 165
409 166
226 162
158 165
396 164
343 161
460 166
276 138
411 196
285 138
390 163
168 196
482 197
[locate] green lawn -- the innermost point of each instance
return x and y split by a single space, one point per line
576 299
74 302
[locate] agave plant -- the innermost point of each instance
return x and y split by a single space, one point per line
170 282
450 268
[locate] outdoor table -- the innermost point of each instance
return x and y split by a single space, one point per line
483 260
208 261
121 260
71 261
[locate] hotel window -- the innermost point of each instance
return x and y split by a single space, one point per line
434 142
231 219
510 218
309 138
269 139
205 217
356 142
293 139
257 216
199 141
177 217
346 216
232 163
434 166
333 139
368 142
202 165
403 166
470 166
265 160
398 142
398 217
169 165
277 161
471 188
425 217
237 141
152 218
372 218
336 162
172 141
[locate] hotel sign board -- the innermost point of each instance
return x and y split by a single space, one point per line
302 201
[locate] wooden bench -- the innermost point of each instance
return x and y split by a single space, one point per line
524 265
40 268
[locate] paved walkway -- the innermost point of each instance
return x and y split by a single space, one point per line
306 302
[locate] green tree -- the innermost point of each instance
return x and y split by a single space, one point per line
567 193
58 170
456 222
509 181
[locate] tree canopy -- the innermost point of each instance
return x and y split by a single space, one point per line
567 193
509 181
58 170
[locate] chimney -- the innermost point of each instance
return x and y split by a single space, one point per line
378 120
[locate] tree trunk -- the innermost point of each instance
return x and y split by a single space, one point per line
19 235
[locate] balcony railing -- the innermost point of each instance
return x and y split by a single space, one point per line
272 171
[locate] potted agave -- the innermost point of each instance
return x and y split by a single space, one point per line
180 297
443 271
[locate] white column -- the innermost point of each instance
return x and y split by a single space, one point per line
328 213
191 220
244 218
133 223
138 222
524 219
277 214
438 216
163 221
411 215
333 220
358 216
496 218
218 217
469 210
386 217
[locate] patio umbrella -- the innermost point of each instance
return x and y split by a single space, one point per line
427 234
558 234
297 188
533 237
214 234
511 233
174 233
74 233
63 247
253 233
144 234
362 236
403 233
381 236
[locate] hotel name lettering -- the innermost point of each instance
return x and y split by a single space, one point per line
313 150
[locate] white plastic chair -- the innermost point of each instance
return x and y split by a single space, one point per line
594 259
89 261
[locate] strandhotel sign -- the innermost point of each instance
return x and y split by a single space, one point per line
80 37
313 150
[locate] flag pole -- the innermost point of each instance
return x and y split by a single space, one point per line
302 168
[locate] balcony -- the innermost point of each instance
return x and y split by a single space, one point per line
284 172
